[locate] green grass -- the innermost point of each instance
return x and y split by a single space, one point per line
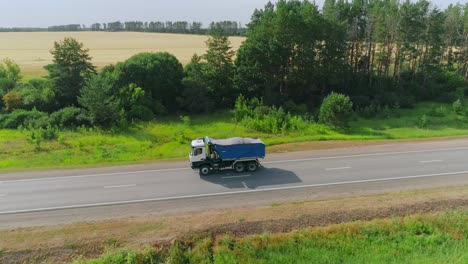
440 238
169 138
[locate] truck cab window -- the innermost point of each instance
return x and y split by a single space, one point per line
198 151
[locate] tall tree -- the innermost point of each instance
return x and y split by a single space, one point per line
70 70
220 67
462 60
287 54
159 75
100 99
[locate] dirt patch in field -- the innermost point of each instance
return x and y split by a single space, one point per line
62 244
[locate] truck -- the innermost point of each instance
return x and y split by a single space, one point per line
212 155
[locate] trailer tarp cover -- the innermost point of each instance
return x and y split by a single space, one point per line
235 141
238 148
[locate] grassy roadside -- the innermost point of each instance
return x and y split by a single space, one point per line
59 244
169 138
439 238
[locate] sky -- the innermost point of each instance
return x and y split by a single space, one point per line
44 13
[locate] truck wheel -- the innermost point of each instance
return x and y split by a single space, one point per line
239 167
252 166
204 170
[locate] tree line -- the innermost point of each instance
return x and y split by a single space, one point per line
379 53
231 28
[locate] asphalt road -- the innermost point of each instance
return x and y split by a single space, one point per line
75 195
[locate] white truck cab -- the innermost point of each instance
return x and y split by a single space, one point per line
198 152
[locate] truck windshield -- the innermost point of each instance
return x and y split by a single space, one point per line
196 152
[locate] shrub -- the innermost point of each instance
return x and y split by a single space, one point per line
177 254
370 111
68 117
186 120
336 110
202 252
457 107
99 99
159 75
37 135
360 102
460 93
437 111
389 99
423 122
406 101
12 101
22 117
38 94
129 256
255 115
386 112
295 109
245 108
34 138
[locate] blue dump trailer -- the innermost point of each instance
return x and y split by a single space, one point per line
240 154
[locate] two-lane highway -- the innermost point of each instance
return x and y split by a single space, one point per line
420 162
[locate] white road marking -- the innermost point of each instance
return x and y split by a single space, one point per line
366 155
232 193
267 162
95 175
237 176
119 186
430 161
339 168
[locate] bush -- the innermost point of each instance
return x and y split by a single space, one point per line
406 101
255 115
202 252
460 93
12 101
389 99
24 118
129 256
370 111
186 120
336 110
457 107
295 109
38 94
99 98
177 254
437 111
68 117
159 75
423 122
360 102
37 135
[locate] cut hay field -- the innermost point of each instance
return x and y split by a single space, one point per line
31 50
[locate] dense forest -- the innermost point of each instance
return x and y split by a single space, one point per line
373 54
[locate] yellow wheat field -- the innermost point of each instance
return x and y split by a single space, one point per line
32 50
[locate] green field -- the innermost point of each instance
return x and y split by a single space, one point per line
169 138
441 238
